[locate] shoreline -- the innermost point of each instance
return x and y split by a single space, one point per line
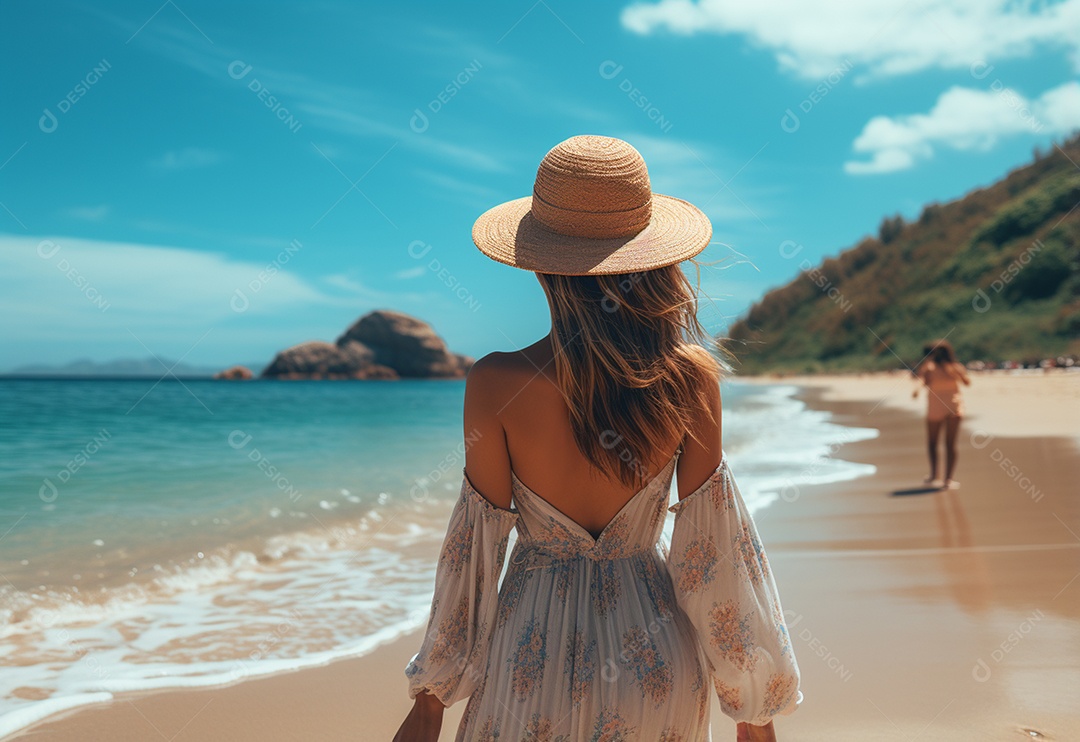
902 558
997 401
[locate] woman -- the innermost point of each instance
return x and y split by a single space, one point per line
942 376
595 634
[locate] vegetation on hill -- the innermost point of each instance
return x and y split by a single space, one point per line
997 272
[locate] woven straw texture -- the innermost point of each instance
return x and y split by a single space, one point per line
592 212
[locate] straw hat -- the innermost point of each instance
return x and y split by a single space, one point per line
592 212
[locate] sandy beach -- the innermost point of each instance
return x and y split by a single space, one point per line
936 615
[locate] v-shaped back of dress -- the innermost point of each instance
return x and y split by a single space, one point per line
636 527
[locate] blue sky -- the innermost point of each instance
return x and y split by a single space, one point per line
218 182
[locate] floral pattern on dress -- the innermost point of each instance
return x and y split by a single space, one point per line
671 734
500 558
456 640
488 511
650 670
474 701
452 634
697 567
749 547
547 630
563 542
489 730
722 494
614 541
564 570
700 692
730 697
474 663
457 548
528 660
611 727
551 534
782 629
735 611
605 587
657 584
778 692
580 665
541 729
732 634
510 594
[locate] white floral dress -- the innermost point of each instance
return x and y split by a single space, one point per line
610 639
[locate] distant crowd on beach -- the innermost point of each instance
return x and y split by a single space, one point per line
1071 362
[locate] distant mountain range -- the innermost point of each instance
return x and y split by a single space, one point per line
997 272
119 368
382 344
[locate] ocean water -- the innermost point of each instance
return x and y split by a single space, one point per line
171 534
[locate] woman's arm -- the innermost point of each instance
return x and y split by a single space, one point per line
963 374
922 378
750 733
424 722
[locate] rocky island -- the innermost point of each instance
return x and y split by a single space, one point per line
383 344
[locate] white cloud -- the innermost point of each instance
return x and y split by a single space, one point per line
64 286
188 158
810 39
102 299
963 119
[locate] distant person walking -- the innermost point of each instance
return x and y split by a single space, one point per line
942 375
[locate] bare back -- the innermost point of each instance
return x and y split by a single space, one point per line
545 458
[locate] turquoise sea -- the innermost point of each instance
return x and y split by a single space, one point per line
180 533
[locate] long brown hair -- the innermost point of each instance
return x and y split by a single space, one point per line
632 361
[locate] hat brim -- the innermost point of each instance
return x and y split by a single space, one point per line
510 234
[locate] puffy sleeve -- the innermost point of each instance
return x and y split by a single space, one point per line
453 654
723 582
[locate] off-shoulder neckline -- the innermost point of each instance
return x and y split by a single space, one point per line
484 502
623 509
721 470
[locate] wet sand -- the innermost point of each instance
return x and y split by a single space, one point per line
936 615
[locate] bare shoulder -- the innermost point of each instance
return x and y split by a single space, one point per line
491 376
703 447
487 463
495 368
707 419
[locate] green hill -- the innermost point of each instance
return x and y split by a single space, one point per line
997 272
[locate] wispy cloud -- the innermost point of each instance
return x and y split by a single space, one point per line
346 283
461 190
89 213
110 297
350 284
411 273
189 158
715 182
963 119
342 121
342 109
448 44
175 287
811 39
